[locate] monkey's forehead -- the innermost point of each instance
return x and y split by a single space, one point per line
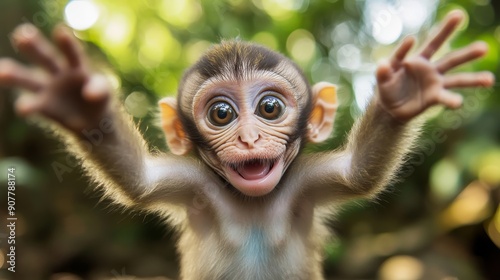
283 79
237 57
255 81
239 61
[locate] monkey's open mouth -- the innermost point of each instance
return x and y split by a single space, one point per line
254 169
255 177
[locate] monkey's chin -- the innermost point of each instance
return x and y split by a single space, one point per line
255 178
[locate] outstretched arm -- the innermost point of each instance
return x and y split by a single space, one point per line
97 131
379 141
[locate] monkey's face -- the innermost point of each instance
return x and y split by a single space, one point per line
249 125
245 109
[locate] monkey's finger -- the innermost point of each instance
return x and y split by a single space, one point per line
27 104
456 58
449 25
461 80
13 74
449 99
31 43
401 52
97 89
69 46
384 72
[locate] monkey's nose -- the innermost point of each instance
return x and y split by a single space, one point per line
248 136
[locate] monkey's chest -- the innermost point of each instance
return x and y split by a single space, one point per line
255 249
258 256
273 247
267 245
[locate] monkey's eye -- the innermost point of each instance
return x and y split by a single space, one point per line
221 114
270 107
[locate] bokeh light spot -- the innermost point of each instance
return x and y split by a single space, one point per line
402 267
118 30
157 45
267 39
195 50
363 84
493 228
280 9
137 104
342 33
470 207
484 14
348 57
497 34
181 13
385 22
325 70
489 167
113 79
301 46
444 180
388 33
413 13
385 244
81 14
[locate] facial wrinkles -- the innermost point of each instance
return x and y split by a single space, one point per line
245 94
226 138
213 162
233 154
271 144
294 149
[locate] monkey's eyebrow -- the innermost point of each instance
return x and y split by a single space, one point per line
222 94
277 76
213 88
278 87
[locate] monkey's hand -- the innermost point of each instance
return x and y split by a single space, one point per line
65 91
407 86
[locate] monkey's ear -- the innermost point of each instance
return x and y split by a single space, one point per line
176 137
325 106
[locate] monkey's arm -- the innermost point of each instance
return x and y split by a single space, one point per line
128 173
380 140
102 136
375 149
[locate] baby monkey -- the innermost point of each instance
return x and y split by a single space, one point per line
247 204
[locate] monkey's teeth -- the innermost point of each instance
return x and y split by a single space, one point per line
254 170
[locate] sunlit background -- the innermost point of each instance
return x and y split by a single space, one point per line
442 221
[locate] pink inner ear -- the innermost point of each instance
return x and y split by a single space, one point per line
176 140
323 115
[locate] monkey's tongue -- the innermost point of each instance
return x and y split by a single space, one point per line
254 170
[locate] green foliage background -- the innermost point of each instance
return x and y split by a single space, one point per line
441 220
